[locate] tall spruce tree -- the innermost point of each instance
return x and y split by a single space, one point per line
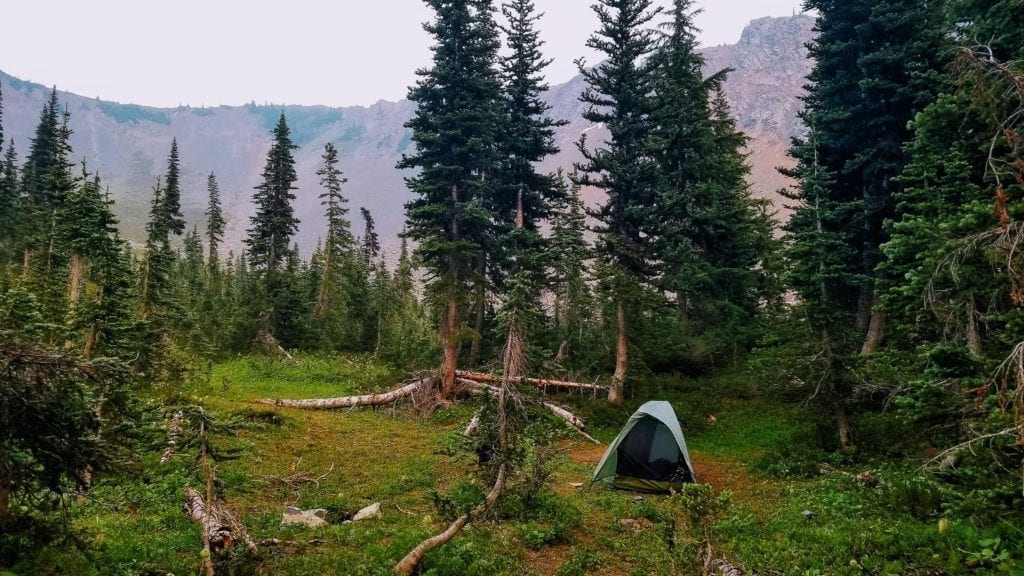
709 228
371 242
35 173
454 129
10 203
215 223
274 222
875 68
619 95
155 283
270 235
573 301
523 197
172 192
339 245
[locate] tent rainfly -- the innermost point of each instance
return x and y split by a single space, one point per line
649 454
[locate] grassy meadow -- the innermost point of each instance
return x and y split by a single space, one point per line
752 447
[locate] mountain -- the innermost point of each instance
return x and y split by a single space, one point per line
128 143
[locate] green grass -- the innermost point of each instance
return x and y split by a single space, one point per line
134 525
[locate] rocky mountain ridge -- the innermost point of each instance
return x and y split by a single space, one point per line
128 143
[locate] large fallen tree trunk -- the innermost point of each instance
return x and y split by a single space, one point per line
573 420
538 382
379 399
223 528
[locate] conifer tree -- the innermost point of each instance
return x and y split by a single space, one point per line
34 218
10 203
172 192
875 68
155 282
371 243
573 301
709 229
272 227
100 316
339 244
454 131
274 222
524 197
618 95
215 223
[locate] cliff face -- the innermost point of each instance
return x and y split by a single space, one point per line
128 144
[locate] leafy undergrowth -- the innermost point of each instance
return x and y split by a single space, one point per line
752 446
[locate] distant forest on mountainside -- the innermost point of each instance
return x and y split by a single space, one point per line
807 244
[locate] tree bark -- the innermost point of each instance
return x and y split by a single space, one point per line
480 310
845 435
973 338
615 391
349 401
75 281
90 339
876 330
5 499
451 346
563 352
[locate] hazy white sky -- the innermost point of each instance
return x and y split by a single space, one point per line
334 52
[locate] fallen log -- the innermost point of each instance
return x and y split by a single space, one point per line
378 399
538 382
223 529
573 420
473 426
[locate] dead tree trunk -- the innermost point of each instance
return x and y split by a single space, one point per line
538 382
616 390
379 399
973 337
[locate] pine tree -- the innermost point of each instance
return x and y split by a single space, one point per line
709 229
172 192
335 255
155 282
99 311
876 67
573 301
10 204
215 223
524 197
274 222
34 217
618 95
454 131
339 234
371 243
270 235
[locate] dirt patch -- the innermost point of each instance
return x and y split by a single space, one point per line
548 559
589 454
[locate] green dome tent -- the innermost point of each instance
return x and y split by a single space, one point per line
649 454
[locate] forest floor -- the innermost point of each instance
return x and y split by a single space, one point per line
344 460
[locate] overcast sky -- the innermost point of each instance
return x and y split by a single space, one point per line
334 52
